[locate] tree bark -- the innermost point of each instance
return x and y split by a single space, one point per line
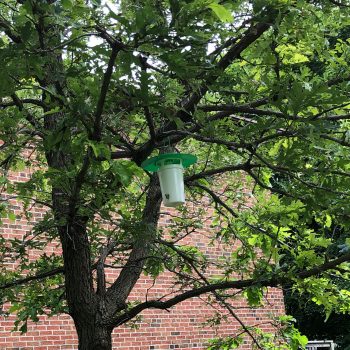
79 291
93 337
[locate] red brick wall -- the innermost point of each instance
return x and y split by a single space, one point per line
181 327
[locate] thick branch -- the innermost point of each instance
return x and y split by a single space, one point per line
6 26
266 187
36 277
129 275
119 155
29 117
148 115
251 35
189 103
217 199
217 171
150 123
5 104
340 142
324 267
338 80
96 135
229 109
337 117
206 139
271 282
245 109
101 278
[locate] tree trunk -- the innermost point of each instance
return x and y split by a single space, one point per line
92 337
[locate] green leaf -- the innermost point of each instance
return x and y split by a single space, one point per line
100 150
52 111
3 180
328 222
303 340
221 12
67 4
123 170
12 216
254 296
15 307
299 58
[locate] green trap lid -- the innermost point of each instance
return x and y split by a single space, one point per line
153 164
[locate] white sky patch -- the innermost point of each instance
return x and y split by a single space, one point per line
106 7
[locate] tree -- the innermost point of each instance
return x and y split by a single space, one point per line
89 90
335 326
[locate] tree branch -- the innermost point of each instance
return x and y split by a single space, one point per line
192 99
336 117
217 171
96 134
338 80
340 142
119 155
117 294
266 187
36 277
149 117
10 32
245 109
5 104
338 3
274 281
251 35
324 267
191 262
234 315
101 278
203 138
29 117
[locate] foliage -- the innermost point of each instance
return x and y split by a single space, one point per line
335 327
286 337
258 90
333 324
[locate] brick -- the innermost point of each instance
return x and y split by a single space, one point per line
180 328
